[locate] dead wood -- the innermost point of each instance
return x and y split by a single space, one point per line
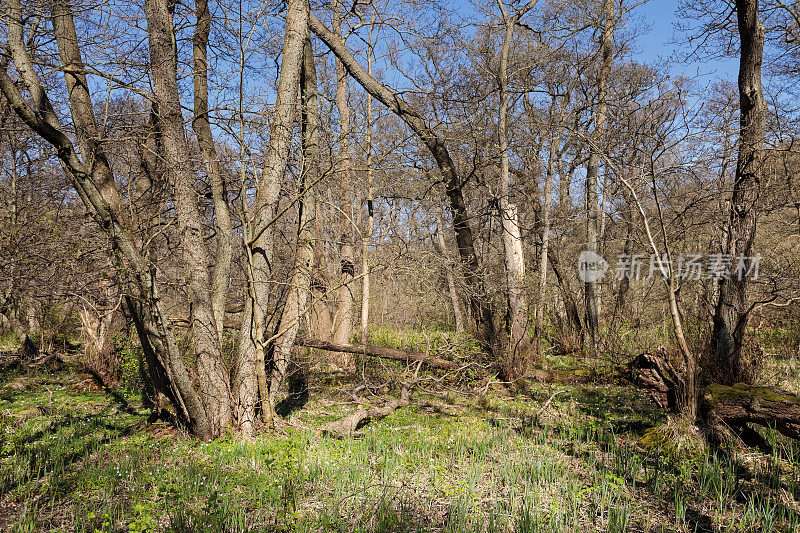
742 404
348 426
28 350
659 378
379 351
720 405
8 363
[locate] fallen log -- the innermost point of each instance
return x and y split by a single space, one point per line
348 426
742 404
379 351
721 405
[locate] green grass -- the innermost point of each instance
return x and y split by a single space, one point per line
71 459
8 343
444 344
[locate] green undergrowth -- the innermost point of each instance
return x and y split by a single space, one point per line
444 344
73 459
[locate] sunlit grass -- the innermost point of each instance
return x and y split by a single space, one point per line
71 459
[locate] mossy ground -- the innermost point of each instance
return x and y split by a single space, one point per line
464 457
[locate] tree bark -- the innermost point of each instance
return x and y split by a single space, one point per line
517 351
732 310
213 375
629 214
201 123
343 318
570 305
555 141
300 284
742 403
449 267
370 224
250 374
348 426
153 324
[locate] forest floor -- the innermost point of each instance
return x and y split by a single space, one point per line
465 456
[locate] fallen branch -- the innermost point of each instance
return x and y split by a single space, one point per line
348 426
379 351
547 403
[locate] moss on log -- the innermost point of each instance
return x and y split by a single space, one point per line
742 404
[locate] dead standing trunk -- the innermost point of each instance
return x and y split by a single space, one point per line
731 313
517 352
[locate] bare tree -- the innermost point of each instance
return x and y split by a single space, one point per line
518 347
480 307
592 293
733 307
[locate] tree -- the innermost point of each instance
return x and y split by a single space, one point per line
733 308
480 308
592 293
518 346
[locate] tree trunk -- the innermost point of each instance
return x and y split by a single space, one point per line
250 373
555 141
98 194
201 123
343 319
629 214
348 426
98 330
370 225
592 290
449 267
570 305
730 317
518 348
741 404
212 373
300 284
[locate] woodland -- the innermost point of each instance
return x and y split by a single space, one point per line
399 265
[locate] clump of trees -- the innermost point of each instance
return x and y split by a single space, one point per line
232 157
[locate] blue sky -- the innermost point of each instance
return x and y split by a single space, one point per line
663 42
